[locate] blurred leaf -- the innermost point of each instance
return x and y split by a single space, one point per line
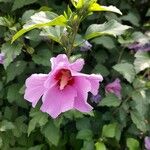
42 57
40 20
51 132
77 3
100 146
85 134
73 114
112 27
127 70
38 118
139 83
132 17
139 121
37 147
78 40
141 104
142 61
101 69
3 22
6 125
8 113
83 123
88 145
104 40
148 13
19 66
21 3
97 7
54 33
1 142
13 94
111 131
101 56
110 101
11 51
20 126
34 35
132 144
27 14
5 1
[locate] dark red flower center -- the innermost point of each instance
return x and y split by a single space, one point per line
64 78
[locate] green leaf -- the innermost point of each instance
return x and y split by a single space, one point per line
54 33
34 36
21 3
6 125
139 83
77 3
42 57
139 121
73 114
5 1
132 144
20 126
110 101
41 20
83 123
141 103
88 145
104 40
111 131
1 142
3 21
127 70
132 17
78 40
37 147
51 132
100 146
112 27
26 15
142 61
85 134
101 69
11 51
38 118
19 66
148 13
13 95
97 7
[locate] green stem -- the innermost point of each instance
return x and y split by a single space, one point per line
72 38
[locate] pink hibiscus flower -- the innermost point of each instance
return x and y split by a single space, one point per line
147 142
114 87
64 88
2 57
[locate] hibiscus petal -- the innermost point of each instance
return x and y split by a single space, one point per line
56 101
61 58
114 87
51 76
93 79
77 65
82 86
35 88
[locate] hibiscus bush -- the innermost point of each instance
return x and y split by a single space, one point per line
74 74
